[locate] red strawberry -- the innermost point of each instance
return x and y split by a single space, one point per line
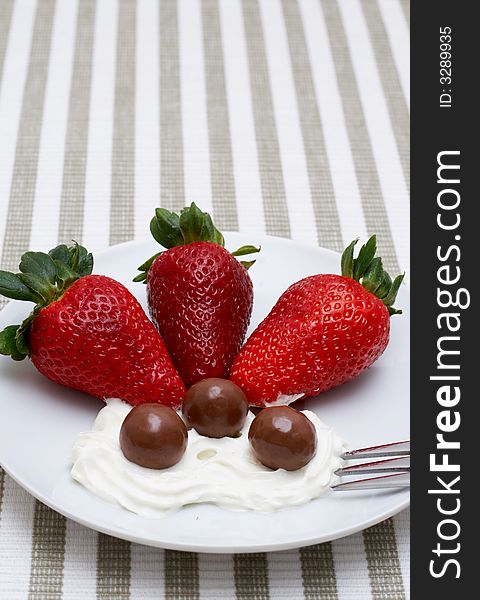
87 332
323 331
200 297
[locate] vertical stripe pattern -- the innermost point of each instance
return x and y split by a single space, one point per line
251 576
113 568
261 108
22 190
122 218
221 163
350 575
16 529
383 564
5 18
397 107
147 118
74 169
365 168
321 188
46 575
196 155
318 572
273 187
79 568
172 192
402 539
181 576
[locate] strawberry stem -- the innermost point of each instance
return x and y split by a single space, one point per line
43 279
368 270
170 229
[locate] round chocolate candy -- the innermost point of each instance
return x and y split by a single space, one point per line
153 436
215 408
283 438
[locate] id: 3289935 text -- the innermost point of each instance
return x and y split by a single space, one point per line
445 64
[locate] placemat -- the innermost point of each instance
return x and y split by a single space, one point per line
289 117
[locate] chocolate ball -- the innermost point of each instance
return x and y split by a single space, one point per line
283 438
153 436
215 408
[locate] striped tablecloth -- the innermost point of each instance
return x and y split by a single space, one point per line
286 117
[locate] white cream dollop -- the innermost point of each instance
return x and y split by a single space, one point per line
219 471
285 399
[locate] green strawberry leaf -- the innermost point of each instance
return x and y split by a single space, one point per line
39 286
191 225
7 339
390 298
76 260
12 286
43 278
384 287
244 250
60 254
8 343
367 269
148 263
364 258
141 277
197 226
247 263
65 275
22 342
165 228
373 275
40 265
210 233
347 259
84 261
23 333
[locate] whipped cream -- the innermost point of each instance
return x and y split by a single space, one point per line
285 399
222 471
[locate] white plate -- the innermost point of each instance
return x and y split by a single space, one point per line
39 422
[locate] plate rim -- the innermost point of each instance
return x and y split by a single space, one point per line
211 548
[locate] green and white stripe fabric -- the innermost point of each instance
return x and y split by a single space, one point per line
289 117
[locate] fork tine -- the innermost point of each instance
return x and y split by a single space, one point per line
390 465
394 480
394 449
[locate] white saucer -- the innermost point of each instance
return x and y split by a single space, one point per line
39 422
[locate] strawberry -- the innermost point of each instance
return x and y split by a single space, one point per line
323 331
87 332
199 296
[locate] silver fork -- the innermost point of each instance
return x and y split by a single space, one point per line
392 471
